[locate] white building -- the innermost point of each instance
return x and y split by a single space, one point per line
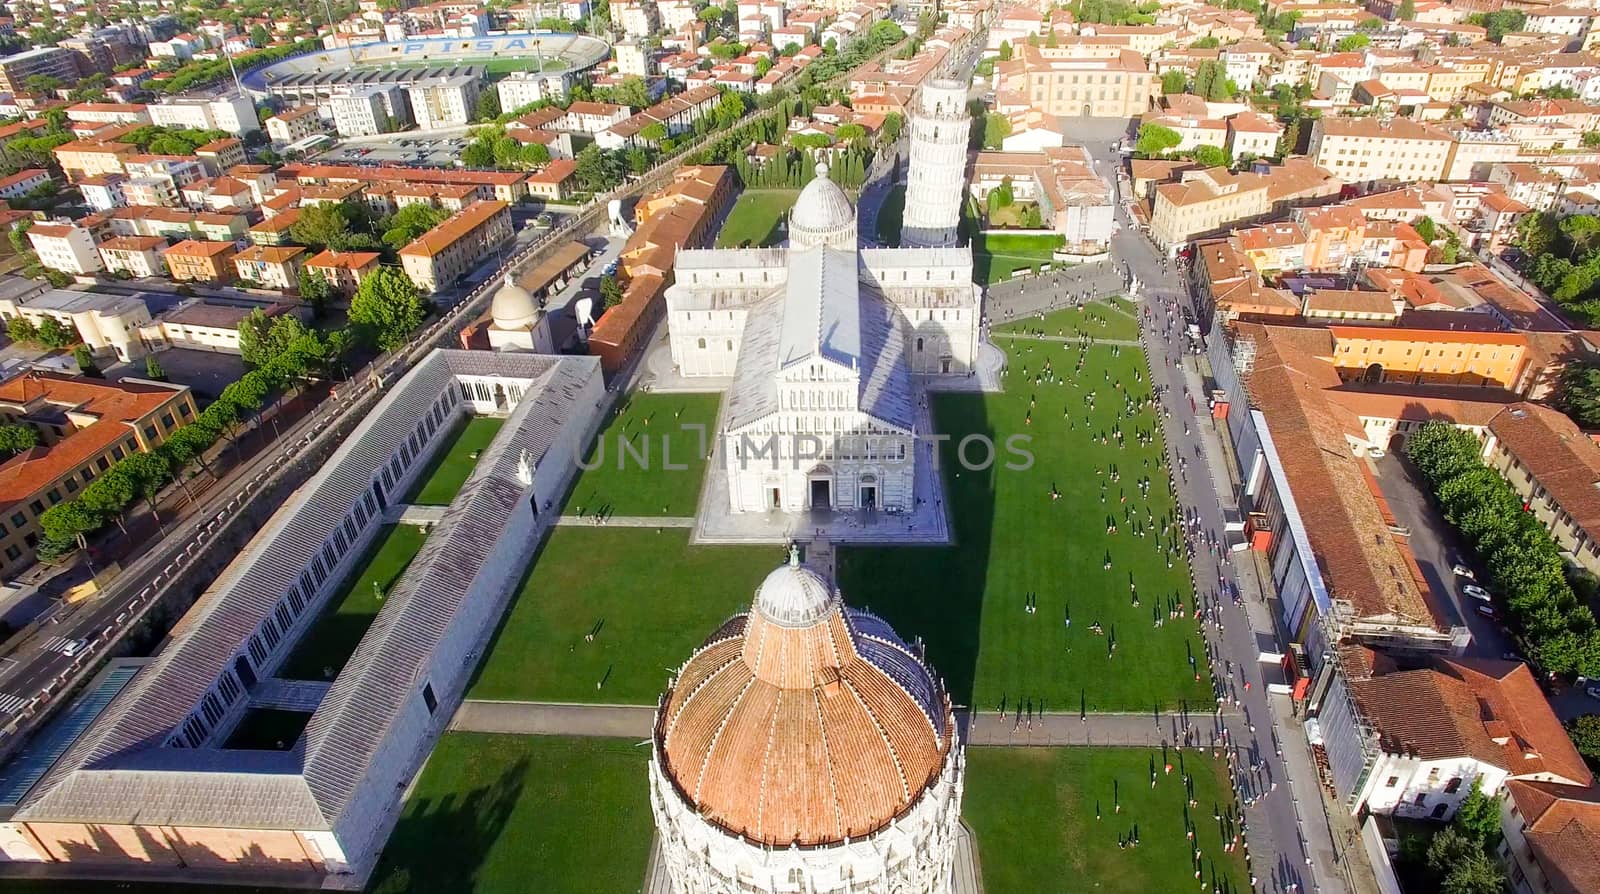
939 128
822 340
861 793
361 113
65 247
443 102
103 193
635 18
294 125
108 324
234 114
524 88
633 59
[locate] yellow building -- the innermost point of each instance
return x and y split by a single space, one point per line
84 426
1370 150
442 255
1079 80
1207 201
1429 356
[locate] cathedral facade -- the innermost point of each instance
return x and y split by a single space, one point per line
823 342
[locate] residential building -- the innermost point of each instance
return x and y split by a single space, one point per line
108 324
206 324
234 114
137 256
524 88
447 252
85 425
199 261
1373 150
344 270
109 113
81 159
104 192
1203 202
271 266
293 125
23 182
52 62
362 113
66 247
444 102
1555 468
556 181
1549 832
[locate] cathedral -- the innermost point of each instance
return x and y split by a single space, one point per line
826 345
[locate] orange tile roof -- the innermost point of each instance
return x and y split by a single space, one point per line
194 248
1560 457
1563 831
348 260
460 224
119 406
271 254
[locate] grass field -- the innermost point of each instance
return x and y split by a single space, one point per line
1114 319
648 598
521 63
637 480
267 729
754 219
996 256
1033 811
333 637
967 602
891 214
495 814
451 465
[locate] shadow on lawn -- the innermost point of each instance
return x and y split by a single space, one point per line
441 845
937 593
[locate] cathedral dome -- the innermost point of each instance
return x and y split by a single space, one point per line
803 721
513 307
822 214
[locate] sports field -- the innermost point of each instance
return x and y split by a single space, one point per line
454 461
649 459
607 613
494 814
333 637
753 221
1044 815
1043 536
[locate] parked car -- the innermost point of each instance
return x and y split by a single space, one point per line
1477 592
1460 570
1511 656
1488 612
1592 691
1375 452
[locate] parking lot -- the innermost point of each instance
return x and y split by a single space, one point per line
438 149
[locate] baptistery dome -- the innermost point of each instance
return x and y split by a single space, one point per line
806 725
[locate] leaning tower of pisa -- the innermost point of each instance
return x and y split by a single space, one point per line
939 130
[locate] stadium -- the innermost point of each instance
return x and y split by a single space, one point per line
314 76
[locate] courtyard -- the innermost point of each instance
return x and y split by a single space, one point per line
494 813
633 469
334 635
1044 815
606 613
756 219
454 461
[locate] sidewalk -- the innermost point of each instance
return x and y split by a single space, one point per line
554 719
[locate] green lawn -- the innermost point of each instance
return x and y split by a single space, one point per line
996 256
967 602
891 214
1034 813
267 729
333 637
1102 319
754 219
454 461
648 598
642 477
494 814
521 63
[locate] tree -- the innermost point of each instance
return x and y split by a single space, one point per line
1585 733
18 236
21 329
85 360
1211 156
478 154
1351 43
1155 139
996 128
16 437
631 92
259 36
611 292
653 132
68 523
1005 51
1478 817
1499 24
1579 396
388 307
323 225
153 368
1173 81
1408 11
315 290
1209 42
1211 81
54 334
488 107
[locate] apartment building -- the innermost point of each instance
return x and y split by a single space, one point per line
1077 81
344 270
83 159
361 113
1205 201
108 324
137 256
65 247
1376 150
443 102
84 425
196 261
1555 467
1429 356
523 88
23 182
442 255
52 62
271 266
234 114
293 125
